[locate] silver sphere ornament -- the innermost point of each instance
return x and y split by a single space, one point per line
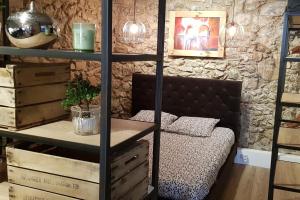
30 29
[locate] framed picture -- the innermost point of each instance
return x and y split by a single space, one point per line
197 33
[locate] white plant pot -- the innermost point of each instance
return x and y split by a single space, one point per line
86 122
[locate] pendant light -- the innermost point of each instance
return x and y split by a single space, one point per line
133 31
233 29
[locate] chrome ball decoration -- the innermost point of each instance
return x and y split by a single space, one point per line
30 29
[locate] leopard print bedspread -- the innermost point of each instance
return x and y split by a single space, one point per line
189 165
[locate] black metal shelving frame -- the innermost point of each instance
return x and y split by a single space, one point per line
284 59
106 57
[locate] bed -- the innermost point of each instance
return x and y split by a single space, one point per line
196 98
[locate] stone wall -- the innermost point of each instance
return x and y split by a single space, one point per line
254 59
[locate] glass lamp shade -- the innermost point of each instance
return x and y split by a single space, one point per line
134 32
234 31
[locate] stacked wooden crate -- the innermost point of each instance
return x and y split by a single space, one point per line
31 94
45 172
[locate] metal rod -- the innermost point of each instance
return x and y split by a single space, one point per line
5 15
158 93
287 189
280 90
106 71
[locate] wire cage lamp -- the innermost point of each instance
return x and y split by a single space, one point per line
133 31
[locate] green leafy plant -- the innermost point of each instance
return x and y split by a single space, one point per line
80 92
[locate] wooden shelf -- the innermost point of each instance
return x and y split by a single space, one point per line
74 55
61 133
4 191
287 175
290 99
289 137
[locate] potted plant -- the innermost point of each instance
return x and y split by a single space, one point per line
79 96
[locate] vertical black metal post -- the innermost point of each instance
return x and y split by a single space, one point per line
278 112
6 58
158 94
5 15
106 63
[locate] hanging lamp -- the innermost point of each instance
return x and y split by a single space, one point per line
133 31
233 29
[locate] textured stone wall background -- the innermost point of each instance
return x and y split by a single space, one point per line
254 59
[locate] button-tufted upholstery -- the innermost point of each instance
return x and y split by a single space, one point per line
191 97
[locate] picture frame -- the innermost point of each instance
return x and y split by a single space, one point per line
197 33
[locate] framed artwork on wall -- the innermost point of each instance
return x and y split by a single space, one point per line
197 33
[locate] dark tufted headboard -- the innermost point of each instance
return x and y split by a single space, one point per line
191 97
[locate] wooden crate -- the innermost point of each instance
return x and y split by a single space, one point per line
31 74
28 116
62 172
17 192
19 97
31 94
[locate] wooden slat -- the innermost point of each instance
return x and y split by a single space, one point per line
295 21
4 191
289 137
12 97
121 131
53 162
52 183
287 174
290 98
74 187
139 192
24 116
17 192
121 187
30 74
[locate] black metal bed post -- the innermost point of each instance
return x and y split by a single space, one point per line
158 93
106 63
280 90
6 58
5 15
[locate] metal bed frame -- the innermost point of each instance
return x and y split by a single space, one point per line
106 57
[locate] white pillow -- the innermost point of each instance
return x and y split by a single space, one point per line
148 116
193 126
